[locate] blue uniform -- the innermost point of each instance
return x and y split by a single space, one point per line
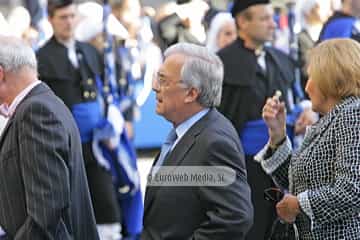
340 25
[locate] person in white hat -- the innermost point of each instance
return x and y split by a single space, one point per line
222 32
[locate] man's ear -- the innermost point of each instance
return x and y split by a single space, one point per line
192 95
50 19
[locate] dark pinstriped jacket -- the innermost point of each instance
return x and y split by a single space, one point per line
43 187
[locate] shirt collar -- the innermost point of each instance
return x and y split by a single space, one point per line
187 124
6 110
68 44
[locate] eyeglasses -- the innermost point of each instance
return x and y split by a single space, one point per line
273 195
161 83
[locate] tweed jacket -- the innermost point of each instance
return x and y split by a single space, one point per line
324 173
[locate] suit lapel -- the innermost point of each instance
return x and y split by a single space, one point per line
149 191
178 154
149 197
172 159
181 149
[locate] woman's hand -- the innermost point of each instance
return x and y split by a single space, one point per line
274 115
288 208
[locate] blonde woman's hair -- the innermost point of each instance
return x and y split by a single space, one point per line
334 65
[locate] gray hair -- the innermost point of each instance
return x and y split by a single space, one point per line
202 70
16 54
216 25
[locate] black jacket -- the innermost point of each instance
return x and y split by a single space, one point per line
71 85
246 88
202 212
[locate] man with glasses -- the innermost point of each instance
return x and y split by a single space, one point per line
188 87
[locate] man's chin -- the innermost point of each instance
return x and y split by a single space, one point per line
158 110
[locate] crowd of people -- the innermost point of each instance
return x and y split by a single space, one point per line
271 95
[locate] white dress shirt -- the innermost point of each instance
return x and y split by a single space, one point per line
71 51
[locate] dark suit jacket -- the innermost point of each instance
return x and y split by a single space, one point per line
43 191
68 83
202 212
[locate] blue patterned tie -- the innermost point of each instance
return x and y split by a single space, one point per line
166 148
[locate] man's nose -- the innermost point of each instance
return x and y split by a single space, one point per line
272 23
155 85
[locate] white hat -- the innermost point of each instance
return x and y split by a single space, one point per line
19 21
91 9
87 29
303 7
92 23
216 24
115 28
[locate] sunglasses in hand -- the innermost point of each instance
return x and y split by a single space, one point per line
273 195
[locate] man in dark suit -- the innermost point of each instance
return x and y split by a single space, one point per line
188 87
43 191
